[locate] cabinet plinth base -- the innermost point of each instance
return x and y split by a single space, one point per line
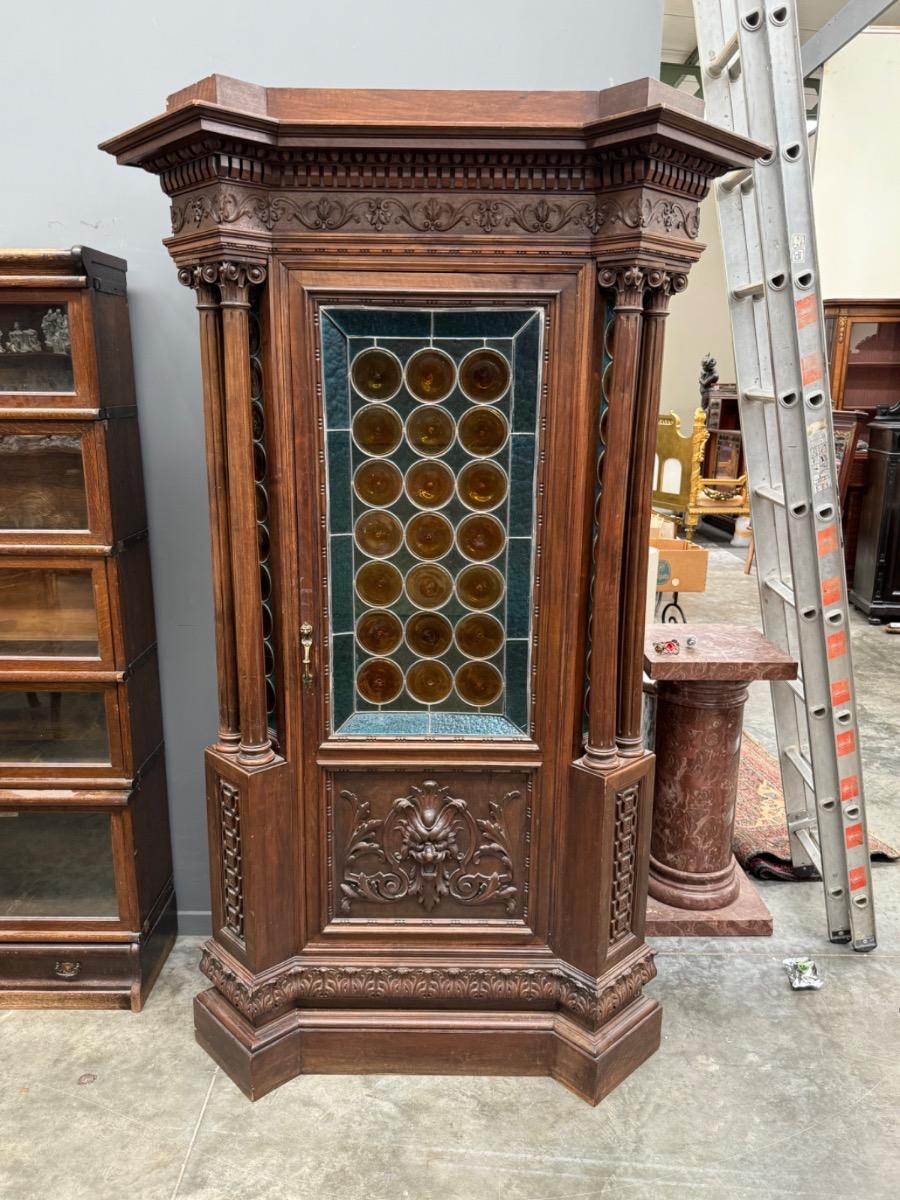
354 1041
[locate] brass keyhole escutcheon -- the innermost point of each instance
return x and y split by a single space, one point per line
306 640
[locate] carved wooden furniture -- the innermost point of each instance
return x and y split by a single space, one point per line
864 352
87 910
876 580
425 317
679 485
700 696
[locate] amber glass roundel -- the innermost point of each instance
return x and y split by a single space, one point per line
479 635
429 535
478 683
377 429
480 538
378 584
430 375
429 682
484 375
378 534
376 374
482 485
428 634
379 681
379 632
483 431
429 586
429 484
378 483
430 430
479 587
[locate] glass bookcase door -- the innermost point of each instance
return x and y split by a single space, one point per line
56 864
35 348
48 612
872 374
42 482
431 421
40 725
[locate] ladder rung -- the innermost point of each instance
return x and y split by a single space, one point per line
716 65
734 179
796 686
775 495
749 289
800 764
811 846
759 394
798 824
782 590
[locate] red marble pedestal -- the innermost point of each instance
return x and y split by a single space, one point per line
699 714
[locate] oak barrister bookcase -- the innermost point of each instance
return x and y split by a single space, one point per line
427 320
87 908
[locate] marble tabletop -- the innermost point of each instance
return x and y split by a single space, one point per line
722 652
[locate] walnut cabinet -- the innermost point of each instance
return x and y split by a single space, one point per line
431 327
87 909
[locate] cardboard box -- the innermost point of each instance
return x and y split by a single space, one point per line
662 526
682 565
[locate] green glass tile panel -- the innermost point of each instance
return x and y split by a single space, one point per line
382 322
336 373
516 333
521 476
343 674
339 489
526 377
341 584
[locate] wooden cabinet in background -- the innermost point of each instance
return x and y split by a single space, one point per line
87 910
427 321
876 585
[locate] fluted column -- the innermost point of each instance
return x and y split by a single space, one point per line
633 597
627 282
203 281
235 280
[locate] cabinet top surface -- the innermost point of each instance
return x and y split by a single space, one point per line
722 652
75 261
219 105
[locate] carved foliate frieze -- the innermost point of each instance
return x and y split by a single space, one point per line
586 217
429 847
592 1001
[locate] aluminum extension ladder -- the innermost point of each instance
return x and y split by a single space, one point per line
753 84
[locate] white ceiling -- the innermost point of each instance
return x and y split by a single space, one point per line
678 23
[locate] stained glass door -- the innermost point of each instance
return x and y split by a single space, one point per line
431 423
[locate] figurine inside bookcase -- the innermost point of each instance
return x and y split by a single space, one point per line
35 349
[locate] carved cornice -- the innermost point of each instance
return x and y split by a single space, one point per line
647 161
299 985
630 211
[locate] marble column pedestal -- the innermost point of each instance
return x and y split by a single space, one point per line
696 884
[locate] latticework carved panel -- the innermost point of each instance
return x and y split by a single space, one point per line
624 851
232 868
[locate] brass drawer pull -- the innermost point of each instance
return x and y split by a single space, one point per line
67 969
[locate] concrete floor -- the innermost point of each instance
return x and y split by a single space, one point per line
756 1090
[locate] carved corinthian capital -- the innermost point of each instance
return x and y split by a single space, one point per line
660 286
627 282
233 279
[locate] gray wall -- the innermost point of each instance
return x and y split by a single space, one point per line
76 73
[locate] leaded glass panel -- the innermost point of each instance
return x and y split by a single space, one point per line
431 421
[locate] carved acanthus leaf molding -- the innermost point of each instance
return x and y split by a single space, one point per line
434 215
532 987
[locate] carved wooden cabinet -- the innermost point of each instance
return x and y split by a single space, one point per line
87 910
426 321
863 352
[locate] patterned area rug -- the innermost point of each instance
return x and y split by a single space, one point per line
760 833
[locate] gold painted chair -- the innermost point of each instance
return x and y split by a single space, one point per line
679 487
